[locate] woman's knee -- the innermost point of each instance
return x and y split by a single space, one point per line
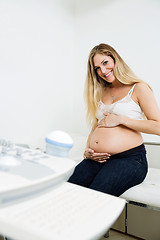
85 172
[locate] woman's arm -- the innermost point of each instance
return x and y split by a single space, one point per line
144 126
148 104
145 98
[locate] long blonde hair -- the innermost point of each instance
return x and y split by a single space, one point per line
95 84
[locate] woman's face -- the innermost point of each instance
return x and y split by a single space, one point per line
104 66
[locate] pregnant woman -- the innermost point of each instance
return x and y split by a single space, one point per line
120 106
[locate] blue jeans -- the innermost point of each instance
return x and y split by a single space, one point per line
121 172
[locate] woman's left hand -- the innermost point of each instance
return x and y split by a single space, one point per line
110 120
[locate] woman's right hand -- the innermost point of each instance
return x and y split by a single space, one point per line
98 157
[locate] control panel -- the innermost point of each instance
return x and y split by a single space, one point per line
25 171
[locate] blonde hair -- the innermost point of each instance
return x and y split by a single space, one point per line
95 84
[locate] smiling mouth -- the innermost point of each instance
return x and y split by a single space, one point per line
108 74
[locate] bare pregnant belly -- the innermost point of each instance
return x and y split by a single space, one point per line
114 140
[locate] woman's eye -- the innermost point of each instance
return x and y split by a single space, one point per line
105 62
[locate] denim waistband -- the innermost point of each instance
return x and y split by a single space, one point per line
140 148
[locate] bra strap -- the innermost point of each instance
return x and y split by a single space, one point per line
131 90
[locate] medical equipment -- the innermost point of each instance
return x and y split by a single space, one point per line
37 203
26 171
58 143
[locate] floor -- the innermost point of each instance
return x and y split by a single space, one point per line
114 235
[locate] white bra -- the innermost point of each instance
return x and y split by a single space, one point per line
125 107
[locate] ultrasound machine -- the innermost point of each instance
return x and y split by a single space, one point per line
37 202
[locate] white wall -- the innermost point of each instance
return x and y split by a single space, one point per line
36 69
44 46
131 27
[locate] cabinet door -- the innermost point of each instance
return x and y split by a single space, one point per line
143 222
119 225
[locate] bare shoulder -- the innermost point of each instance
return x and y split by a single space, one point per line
147 101
142 87
142 93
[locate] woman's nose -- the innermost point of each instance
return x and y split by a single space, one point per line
103 69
